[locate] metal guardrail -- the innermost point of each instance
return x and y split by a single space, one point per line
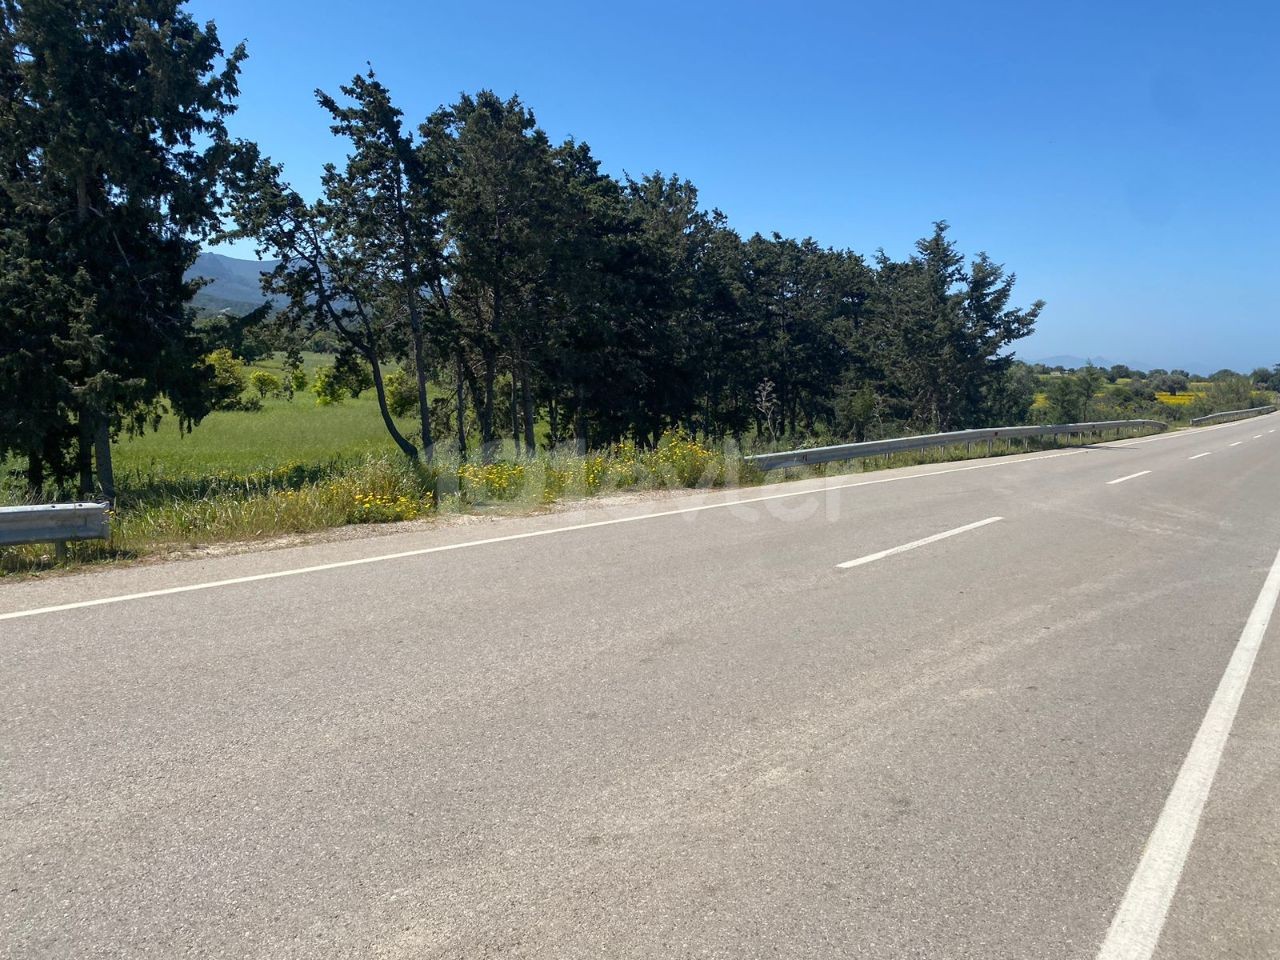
55 523
875 448
1228 415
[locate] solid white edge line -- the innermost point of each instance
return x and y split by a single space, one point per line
1135 929
1199 455
1132 476
1173 434
422 551
872 557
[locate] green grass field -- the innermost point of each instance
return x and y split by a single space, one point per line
283 432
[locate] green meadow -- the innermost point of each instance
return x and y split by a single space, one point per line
283 432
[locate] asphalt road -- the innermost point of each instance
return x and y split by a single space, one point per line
677 728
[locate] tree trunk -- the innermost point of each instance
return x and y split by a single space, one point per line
461 399
407 243
424 405
515 412
580 423
35 475
491 443
407 448
102 457
488 433
526 399
84 457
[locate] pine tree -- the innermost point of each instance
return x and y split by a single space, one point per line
115 157
327 285
388 213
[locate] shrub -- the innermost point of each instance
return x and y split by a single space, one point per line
554 482
495 481
265 384
382 508
327 387
229 379
683 460
595 469
353 374
402 393
1234 393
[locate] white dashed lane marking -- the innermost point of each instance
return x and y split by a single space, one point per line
871 557
1132 476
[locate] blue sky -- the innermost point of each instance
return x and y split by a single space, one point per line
1121 159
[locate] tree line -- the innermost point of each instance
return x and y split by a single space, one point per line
523 292
513 277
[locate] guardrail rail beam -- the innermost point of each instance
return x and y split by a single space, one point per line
56 523
1229 415
876 448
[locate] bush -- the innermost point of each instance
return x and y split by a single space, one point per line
384 508
685 462
229 381
402 393
1233 393
265 384
327 387
353 374
496 481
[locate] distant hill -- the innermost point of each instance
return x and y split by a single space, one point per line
1075 363
236 284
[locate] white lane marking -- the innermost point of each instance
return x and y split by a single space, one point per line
1172 434
872 557
1132 476
1136 927
1199 455
1236 444
1257 436
422 551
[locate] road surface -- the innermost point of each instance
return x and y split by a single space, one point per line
1025 708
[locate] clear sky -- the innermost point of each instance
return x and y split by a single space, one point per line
1121 158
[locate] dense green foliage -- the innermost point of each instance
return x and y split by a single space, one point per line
519 284
113 153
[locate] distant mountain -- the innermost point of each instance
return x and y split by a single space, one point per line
236 284
1073 362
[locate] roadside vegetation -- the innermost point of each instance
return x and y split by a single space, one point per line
1120 393
468 315
288 453
172 509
